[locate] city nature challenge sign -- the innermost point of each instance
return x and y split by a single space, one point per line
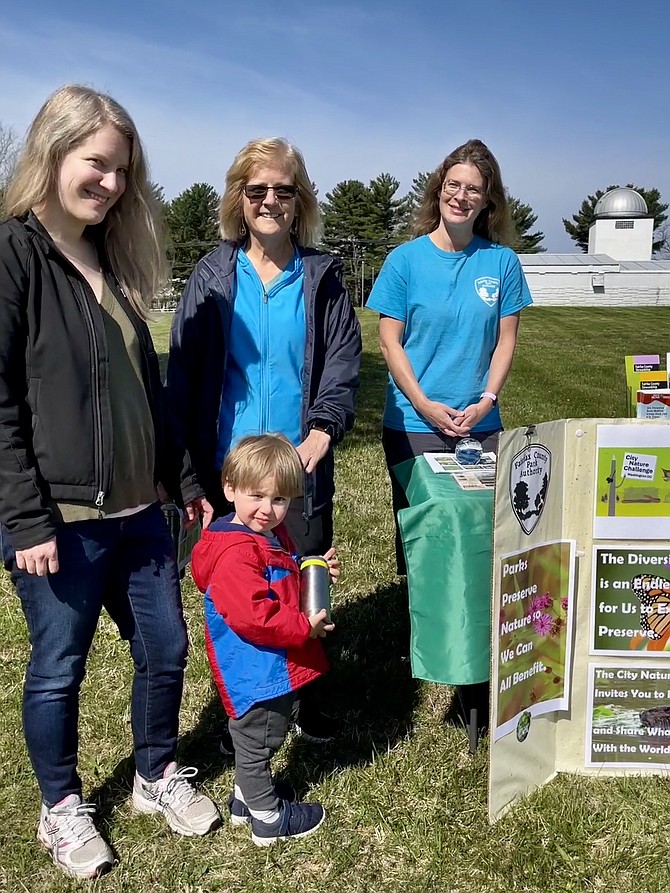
632 492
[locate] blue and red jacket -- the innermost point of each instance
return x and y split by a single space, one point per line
257 637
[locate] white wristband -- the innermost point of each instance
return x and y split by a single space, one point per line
492 397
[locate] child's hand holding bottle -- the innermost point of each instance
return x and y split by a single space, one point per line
320 624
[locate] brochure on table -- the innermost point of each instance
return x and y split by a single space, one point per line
580 654
647 385
480 476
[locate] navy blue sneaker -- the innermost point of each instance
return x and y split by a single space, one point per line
239 811
295 820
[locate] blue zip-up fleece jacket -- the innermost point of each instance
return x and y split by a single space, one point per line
198 356
263 387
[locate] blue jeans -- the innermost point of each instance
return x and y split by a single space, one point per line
128 566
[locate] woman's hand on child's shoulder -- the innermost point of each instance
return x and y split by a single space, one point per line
333 564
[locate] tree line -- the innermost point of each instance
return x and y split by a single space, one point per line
361 223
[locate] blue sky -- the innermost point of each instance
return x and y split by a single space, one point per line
570 96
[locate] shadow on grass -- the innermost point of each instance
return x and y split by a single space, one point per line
369 691
114 790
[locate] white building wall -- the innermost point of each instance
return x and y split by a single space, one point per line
629 243
588 289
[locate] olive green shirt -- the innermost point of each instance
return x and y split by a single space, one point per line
133 448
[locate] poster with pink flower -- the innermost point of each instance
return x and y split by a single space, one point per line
535 633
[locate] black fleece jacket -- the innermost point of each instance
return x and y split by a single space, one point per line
56 436
199 351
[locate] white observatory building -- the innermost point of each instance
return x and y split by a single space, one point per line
617 271
622 226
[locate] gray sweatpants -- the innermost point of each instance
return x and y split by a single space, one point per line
257 737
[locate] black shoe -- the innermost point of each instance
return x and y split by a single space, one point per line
239 811
315 726
295 820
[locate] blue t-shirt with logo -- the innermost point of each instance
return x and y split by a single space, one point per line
451 303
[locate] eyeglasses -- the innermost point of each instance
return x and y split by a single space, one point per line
453 187
257 191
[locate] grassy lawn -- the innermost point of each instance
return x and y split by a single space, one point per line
406 803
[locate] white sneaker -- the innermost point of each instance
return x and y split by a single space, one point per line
187 812
75 844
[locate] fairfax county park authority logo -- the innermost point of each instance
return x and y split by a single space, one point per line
529 475
488 289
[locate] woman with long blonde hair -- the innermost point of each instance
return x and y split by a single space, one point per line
82 452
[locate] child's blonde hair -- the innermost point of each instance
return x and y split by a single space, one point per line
258 457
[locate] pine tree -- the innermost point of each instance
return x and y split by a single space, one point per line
412 202
578 230
386 219
347 219
160 209
192 219
361 225
523 219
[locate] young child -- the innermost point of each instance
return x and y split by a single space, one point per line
261 647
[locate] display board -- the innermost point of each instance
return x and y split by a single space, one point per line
580 676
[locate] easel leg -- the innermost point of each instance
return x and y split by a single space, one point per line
474 705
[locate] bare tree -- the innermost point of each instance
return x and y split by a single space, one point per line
662 235
9 151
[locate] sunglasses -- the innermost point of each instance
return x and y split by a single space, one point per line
257 192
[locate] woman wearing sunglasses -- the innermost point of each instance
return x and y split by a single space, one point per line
265 339
449 304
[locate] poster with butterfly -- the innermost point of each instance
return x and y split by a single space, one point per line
630 600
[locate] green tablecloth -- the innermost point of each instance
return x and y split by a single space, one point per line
447 535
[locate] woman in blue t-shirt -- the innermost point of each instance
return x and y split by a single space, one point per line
449 304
